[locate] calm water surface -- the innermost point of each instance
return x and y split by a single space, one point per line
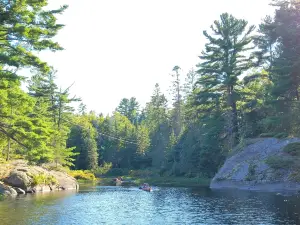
128 205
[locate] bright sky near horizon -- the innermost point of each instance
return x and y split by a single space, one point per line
116 48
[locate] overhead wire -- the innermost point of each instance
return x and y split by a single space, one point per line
104 134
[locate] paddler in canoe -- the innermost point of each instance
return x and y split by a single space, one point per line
145 187
118 181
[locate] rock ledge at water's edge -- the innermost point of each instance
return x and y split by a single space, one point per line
248 170
18 178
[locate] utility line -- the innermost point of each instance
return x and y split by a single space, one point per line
104 134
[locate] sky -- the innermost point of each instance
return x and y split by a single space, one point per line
119 49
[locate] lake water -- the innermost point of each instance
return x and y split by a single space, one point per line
129 205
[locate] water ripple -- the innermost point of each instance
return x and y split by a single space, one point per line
129 205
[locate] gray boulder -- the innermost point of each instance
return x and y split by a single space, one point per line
20 191
247 168
7 190
18 178
24 177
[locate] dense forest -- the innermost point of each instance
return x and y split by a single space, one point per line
246 85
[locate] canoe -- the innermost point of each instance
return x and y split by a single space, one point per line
117 181
147 189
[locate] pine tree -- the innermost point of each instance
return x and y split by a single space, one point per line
286 66
83 139
189 84
225 58
176 90
143 140
25 27
157 122
129 108
82 109
266 42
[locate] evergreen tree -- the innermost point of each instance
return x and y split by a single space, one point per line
129 108
177 101
83 138
158 125
190 81
224 59
25 27
285 68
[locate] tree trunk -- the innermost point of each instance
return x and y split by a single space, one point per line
235 120
8 149
233 117
297 95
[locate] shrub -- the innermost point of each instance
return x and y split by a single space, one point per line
54 166
82 175
281 135
5 169
279 162
117 172
51 180
243 144
251 172
43 179
103 170
265 135
2 160
143 173
292 149
295 176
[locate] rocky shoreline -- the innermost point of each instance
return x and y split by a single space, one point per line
248 169
18 177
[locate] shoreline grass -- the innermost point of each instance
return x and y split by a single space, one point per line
158 181
137 177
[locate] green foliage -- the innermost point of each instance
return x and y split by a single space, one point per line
266 135
144 173
43 179
176 181
243 144
130 109
103 170
292 149
295 176
82 175
115 172
143 140
176 113
223 61
279 162
55 167
83 138
119 141
281 135
21 35
214 113
251 172
26 127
